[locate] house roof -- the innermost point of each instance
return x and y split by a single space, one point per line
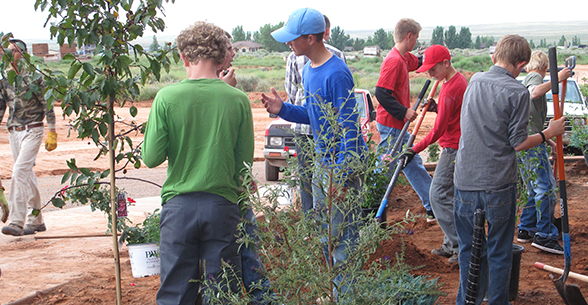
247 44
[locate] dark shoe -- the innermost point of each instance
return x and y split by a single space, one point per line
430 216
525 236
31 229
547 245
12 229
453 259
441 252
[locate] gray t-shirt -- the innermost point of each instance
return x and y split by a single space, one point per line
538 106
494 119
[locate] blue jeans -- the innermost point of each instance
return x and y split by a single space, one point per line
342 243
441 197
541 194
496 262
415 172
254 274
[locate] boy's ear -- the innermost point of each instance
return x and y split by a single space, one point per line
521 65
186 62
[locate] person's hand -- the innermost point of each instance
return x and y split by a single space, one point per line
410 114
4 211
51 142
228 76
409 155
432 105
273 104
556 127
252 187
564 74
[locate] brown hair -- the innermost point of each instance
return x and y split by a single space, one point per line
512 49
203 41
405 26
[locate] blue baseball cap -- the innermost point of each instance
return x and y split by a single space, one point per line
304 21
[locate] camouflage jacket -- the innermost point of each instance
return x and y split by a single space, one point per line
20 110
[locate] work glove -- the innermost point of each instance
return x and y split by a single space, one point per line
409 155
432 106
3 206
51 142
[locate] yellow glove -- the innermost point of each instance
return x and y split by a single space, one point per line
51 142
3 206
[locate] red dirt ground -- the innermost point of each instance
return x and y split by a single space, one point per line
94 283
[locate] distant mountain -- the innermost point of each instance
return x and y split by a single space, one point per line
552 31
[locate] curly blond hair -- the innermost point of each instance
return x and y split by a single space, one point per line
203 41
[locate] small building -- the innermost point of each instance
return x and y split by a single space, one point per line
67 49
371 51
40 49
246 46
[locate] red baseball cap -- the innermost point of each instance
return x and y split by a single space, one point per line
434 55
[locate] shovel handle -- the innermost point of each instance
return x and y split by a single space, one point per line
556 109
424 111
573 275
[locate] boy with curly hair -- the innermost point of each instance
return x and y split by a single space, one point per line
203 127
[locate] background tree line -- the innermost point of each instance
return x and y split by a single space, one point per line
449 37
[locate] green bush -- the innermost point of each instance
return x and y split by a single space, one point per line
146 232
291 242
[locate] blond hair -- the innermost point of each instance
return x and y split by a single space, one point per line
512 49
405 26
538 62
203 41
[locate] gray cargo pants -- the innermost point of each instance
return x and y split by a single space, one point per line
195 226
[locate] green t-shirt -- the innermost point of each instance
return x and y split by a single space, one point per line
538 109
204 128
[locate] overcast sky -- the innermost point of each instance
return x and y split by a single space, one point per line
20 18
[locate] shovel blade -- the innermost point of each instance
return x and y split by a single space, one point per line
561 289
574 295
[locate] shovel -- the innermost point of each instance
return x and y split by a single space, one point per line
402 163
570 64
570 293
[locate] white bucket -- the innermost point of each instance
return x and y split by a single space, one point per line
144 259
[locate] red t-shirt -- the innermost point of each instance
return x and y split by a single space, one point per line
394 76
447 129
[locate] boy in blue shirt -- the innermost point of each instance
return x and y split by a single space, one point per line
327 82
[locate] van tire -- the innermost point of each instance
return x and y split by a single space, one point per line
271 172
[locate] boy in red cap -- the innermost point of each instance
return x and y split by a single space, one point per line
446 129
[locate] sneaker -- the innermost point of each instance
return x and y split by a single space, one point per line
525 236
441 252
453 259
547 245
31 229
430 216
12 229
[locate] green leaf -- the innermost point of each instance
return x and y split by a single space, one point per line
105 174
48 95
86 171
57 202
137 164
65 177
133 111
72 165
88 68
73 69
108 41
36 212
68 57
